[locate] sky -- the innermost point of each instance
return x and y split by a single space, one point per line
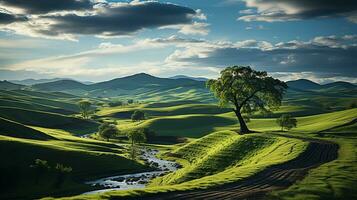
97 40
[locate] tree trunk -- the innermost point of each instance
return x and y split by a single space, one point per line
243 126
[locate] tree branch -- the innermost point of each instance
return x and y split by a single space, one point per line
248 98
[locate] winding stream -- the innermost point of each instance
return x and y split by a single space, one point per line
136 180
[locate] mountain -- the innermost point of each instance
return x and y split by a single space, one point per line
189 77
31 81
139 86
6 85
61 85
340 85
304 84
39 81
143 80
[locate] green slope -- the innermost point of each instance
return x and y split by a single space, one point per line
14 129
49 120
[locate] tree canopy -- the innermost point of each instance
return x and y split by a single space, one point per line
84 107
286 121
136 136
138 115
248 91
107 130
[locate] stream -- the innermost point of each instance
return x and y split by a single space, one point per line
136 180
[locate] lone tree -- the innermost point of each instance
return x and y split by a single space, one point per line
84 107
136 137
107 130
248 91
286 121
138 115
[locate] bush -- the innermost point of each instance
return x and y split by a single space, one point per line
61 174
286 121
41 167
107 130
114 104
353 105
138 115
58 171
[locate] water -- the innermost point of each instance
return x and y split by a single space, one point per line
135 180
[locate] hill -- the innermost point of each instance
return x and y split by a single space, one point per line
6 85
189 77
61 85
143 80
304 84
48 120
31 81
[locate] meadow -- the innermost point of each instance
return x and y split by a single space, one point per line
203 140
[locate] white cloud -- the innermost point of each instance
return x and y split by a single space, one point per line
196 28
332 54
271 11
98 18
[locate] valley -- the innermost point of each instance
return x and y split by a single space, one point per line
50 151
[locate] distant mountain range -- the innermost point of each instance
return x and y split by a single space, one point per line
304 84
148 86
6 85
189 77
39 81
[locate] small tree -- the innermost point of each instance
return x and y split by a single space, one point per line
117 103
107 130
248 91
61 174
286 121
352 105
41 167
136 137
130 101
84 107
138 115
149 134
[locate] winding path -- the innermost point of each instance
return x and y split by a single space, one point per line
273 178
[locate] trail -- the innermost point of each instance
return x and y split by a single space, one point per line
276 177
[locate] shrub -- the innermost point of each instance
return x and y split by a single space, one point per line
286 121
138 115
107 130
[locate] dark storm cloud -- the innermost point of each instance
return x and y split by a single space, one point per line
280 10
7 18
46 6
122 19
331 54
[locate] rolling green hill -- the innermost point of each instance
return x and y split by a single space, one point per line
14 129
49 120
6 85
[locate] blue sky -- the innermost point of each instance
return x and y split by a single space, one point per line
100 40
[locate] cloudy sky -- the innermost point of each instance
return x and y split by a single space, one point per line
95 40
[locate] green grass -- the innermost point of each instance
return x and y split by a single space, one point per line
14 129
88 158
48 120
264 152
52 102
167 109
218 156
37 125
333 180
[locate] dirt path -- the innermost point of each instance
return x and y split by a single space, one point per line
273 178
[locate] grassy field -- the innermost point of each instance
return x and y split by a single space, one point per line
38 125
224 156
88 159
35 132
